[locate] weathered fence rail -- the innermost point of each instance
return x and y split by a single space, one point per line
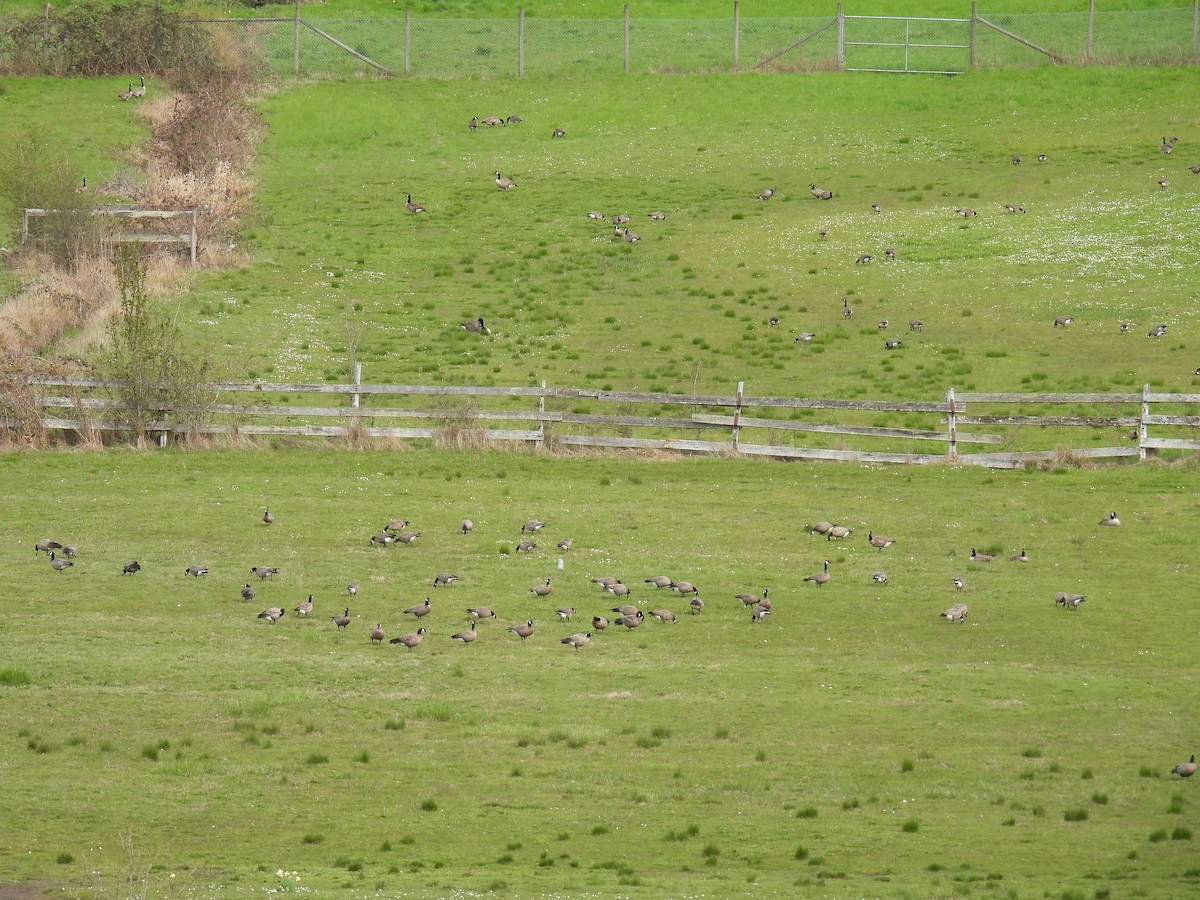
714 424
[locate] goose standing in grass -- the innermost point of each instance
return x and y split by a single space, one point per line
505 184
864 259
526 546
82 186
196 571
352 588
305 608
45 545
805 337
959 584
821 528
131 568
759 613
956 613
564 613
766 194
493 121
879 541
268 517
631 621
577 640
847 310
566 544
892 343
696 605
663 615
420 610
383 539
522 631
533 525
617 589
880 578
264 572
467 635
376 634
467 526
481 612
630 237
140 90
413 208
599 623
605 580
1013 208
541 590
882 324
474 123
657 215
965 211
820 193
557 133
58 565
1016 160
407 537
627 609
125 95
1187 769
1063 321
394 525
410 640
875 207
1195 170
685 587
889 252
341 621
1166 147
513 120
1110 520
838 533
272 615
915 324
70 551
821 577
444 578
248 593
597 216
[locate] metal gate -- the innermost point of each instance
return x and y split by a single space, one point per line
905 44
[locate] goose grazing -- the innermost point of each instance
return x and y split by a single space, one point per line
1019 557
513 120
557 133
965 212
981 557
132 567
1195 170
773 321
533 525
413 208
1063 321
1016 160
838 532
70 551
467 526
248 593
268 517
466 635
383 539
196 571
376 634
805 337
410 640
630 237
577 640
599 623
1157 331
892 343
59 565
474 123
657 215
420 610
45 545
125 95
915 324
1162 183
444 578
696 605
140 90
878 541
1187 769
481 612
621 219
956 613
1073 600
864 259
564 613
304 609
264 572
766 194
541 590
633 621
890 252
341 621
1123 327
663 615
394 525
407 537
626 610
597 216
475 327
352 588
505 184
821 577
876 207
880 578
493 121
526 546
1110 519
605 580
617 589
823 233
566 544
1166 147
272 615
748 599
685 587
523 631
759 613
1013 208
820 193
959 584
1041 157
821 528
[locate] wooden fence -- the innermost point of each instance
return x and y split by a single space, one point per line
132 215
721 424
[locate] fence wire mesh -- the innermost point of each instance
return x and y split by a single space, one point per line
443 48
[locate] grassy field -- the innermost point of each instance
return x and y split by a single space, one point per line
853 744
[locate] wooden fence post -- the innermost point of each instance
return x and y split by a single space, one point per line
407 39
841 38
626 63
1143 426
296 43
951 426
355 397
737 416
971 39
520 41
541 421
1087 52
1195 31
736 34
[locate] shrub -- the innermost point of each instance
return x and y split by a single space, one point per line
14 677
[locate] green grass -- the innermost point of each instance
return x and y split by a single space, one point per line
180 672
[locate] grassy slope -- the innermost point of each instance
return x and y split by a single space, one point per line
687 306
555 772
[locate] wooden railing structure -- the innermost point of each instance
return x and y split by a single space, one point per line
132 214
563 417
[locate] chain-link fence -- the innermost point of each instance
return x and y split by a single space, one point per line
437 47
